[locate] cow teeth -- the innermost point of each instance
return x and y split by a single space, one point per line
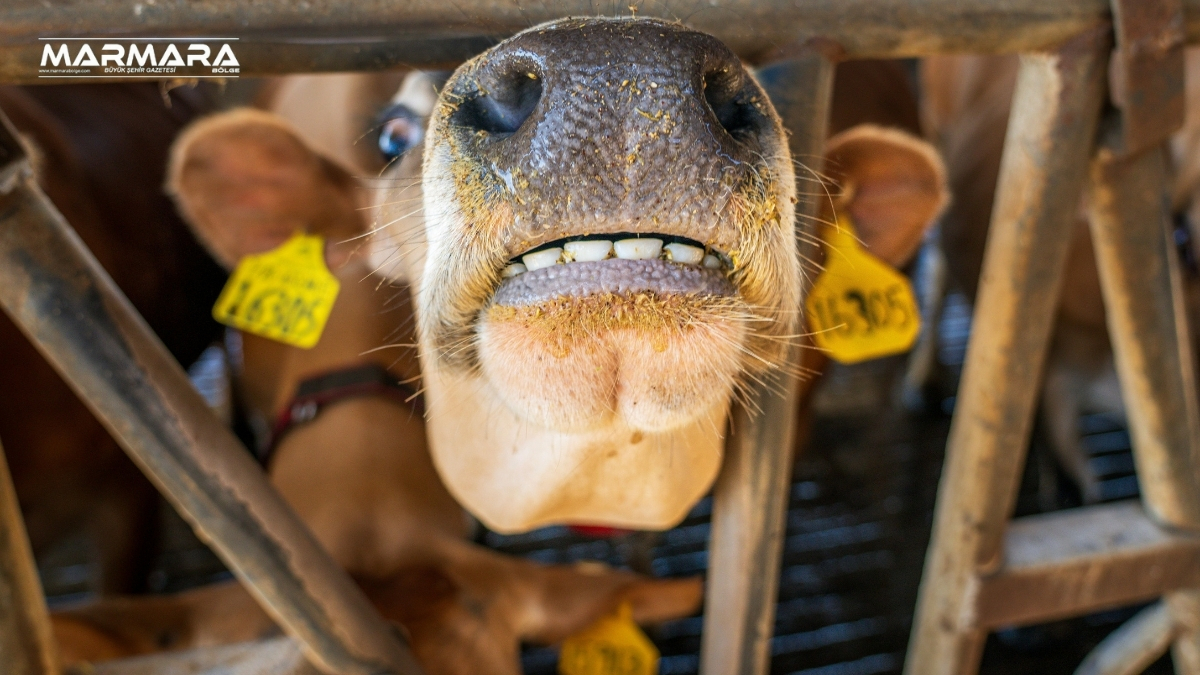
543 258
712 262
514 269
638 249
587 251
682 253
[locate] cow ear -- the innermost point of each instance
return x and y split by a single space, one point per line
246 183
892 184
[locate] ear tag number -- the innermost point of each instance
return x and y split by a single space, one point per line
614 645
859 308
285 294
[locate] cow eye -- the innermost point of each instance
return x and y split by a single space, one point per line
400 130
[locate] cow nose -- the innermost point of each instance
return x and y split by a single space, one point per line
608 69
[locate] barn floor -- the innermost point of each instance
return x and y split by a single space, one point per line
858 524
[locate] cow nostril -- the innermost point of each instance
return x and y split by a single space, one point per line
729 101
502 108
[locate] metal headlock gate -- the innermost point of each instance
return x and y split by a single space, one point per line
982 571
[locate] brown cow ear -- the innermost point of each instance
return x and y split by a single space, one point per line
246 183
893 185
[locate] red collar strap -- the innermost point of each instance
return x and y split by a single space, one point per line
314 394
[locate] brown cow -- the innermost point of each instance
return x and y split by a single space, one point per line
609 406
99 153
359 474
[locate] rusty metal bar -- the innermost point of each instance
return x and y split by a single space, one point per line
1185 614
1143 296
1050 136
62 299
1147 71
26 642
1131 649
1069 563
280 36
750 498
1144 300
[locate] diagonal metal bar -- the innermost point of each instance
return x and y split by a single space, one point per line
1131 648
62 299
1050 136
1130 217
750 500
26 643
1129 213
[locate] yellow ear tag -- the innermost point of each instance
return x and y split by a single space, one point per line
285 294
859 308
614 645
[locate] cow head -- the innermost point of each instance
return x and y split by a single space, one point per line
605 258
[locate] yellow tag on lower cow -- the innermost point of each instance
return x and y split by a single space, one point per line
859 308
614 645
285 294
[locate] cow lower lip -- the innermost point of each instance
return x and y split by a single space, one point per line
617 276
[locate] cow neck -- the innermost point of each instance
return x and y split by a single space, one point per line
365 317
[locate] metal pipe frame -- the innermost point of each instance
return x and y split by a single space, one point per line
60 297
280 36
1134 646
750 498
1050 136
1130 220
26 642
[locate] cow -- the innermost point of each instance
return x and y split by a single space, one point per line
359 473
550 300
362 474
99 153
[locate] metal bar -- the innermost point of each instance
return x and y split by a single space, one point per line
1069 563
66 304
1131 649
1143 295
1130 218
279 36
26 642
750 498
1055 109
1185 614
1147 71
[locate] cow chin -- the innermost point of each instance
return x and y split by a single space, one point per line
646 361
516 476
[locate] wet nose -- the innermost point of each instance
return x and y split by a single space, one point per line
611 71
